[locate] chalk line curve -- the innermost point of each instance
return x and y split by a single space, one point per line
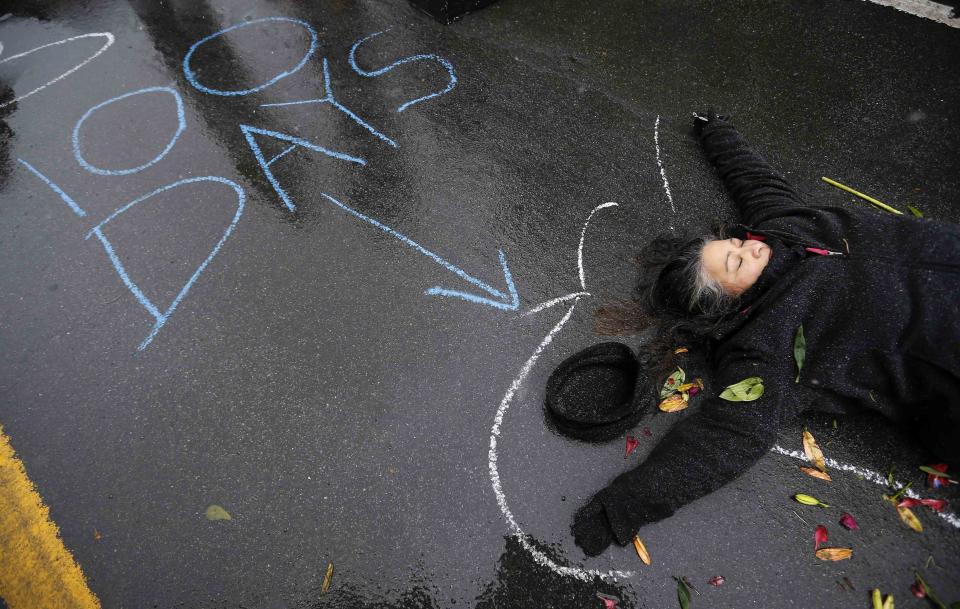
538 556
663 173
107 45
867 474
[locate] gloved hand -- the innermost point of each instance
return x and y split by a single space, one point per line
591 529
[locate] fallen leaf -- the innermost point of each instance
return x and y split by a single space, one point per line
937 475
325 586
916 212
695 384
717 580
683 593
632 444
747 390
819 536
834 553
910 519
848 522
888 604
799 350
680 350
97 535
816 473
808 500
674 403
609 602
641 550
676 378
918 590
813 452
876 601
215 512
936 505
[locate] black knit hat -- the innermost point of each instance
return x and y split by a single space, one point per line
598 393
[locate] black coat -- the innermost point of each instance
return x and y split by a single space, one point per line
881 319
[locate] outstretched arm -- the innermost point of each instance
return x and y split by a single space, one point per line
700 455
759 191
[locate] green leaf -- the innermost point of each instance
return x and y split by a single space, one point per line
799 350
683 593
916 212
936 473
215 512
747 390
676 378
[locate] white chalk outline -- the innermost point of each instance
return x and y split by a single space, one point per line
109 43
583 282
538 556
923 8
866 474
663 173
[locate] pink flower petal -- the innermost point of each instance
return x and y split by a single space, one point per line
819 536
848 522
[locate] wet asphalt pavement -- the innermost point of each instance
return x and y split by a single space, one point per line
262 339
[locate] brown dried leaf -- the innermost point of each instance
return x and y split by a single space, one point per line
675 402
813 451
641 551
325 587
834 553
816 473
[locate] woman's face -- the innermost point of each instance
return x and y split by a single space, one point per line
734 263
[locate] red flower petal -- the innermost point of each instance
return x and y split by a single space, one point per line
848 522
907 502
934 504
917 589
717 580
632 444
819 536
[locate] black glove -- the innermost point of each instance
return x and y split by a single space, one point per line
591 529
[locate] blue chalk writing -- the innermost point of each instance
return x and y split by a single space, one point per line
431 57
248 133
162 317
66 198
181 126
192 77
503 301
281 155
330 99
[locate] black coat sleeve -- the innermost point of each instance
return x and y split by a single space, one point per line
701 454
759 191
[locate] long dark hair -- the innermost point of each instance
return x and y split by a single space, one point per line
674 299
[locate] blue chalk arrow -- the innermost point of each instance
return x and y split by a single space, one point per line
499 300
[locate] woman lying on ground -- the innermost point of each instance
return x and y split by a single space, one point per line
878 297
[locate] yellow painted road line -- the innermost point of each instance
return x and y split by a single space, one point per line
36 569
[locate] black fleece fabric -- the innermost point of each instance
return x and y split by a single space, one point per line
881 320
